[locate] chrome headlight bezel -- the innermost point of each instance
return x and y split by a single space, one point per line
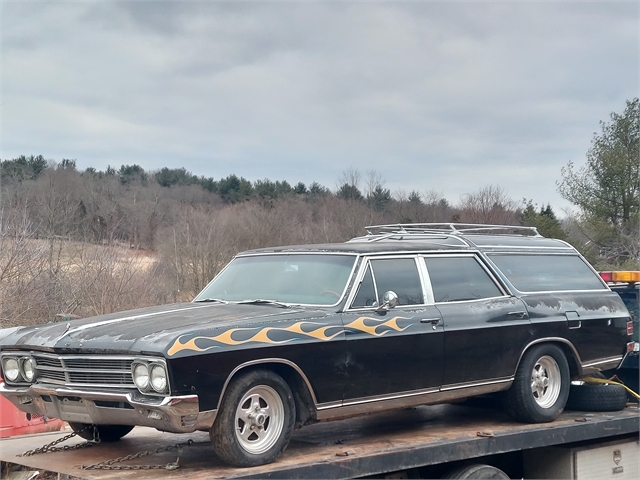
142 371
28 364
14 367
158 371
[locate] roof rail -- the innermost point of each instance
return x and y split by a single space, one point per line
451 229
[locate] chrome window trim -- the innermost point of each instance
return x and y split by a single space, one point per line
476 256
573 253
474 300
562 291
425 278
529 247
360 276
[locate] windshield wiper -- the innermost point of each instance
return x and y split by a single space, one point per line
214 300
261 301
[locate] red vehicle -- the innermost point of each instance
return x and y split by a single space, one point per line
15 422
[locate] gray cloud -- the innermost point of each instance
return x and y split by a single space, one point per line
432 95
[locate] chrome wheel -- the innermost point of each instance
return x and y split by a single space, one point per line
546 381
259 419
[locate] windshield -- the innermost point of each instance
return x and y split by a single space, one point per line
291 278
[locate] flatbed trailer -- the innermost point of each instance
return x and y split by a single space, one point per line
422 442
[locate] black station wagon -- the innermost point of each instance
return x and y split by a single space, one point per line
406 315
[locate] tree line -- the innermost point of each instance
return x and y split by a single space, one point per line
91 242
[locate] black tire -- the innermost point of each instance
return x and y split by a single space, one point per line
589 397
255 420
477 471
529 399
106 433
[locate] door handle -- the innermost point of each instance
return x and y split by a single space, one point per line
432 321
518 314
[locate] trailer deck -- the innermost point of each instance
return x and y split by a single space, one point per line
356 447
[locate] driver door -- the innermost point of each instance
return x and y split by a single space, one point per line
399 350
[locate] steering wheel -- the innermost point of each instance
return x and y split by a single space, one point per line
330 292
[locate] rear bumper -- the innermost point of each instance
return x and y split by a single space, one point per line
179 414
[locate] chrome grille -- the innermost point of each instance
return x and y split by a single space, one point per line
85 371
49 362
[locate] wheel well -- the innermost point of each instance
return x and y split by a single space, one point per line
305 406
574 365
570 354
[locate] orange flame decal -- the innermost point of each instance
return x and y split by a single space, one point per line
359 324
261 336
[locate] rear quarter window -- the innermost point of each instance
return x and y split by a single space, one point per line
458 279
543 273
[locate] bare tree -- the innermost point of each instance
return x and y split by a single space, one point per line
101 280
23 267
489 205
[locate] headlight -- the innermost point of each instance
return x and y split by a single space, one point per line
11 369
28 369
141 376
159 378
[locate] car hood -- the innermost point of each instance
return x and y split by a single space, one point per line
148 330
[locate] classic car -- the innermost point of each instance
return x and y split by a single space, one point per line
406 315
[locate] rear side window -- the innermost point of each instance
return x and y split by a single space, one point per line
540 273
456 279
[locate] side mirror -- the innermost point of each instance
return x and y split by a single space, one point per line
389 301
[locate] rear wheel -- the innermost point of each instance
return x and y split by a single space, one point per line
106 433
477 471
255 420
541 385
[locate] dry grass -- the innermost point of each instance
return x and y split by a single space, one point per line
40 279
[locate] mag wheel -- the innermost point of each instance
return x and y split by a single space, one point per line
255 421
541 385
546 381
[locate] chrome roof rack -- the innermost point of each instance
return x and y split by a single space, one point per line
450 229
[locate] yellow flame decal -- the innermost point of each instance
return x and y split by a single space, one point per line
359 324
188 345
262 336
226 337
317 333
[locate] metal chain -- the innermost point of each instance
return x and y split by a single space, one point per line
51 447
111 464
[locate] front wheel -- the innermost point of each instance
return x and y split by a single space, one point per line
255 420
106 433
541 386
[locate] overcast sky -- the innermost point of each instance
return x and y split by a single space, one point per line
444 96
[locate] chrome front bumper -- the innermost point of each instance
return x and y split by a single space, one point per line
179 414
